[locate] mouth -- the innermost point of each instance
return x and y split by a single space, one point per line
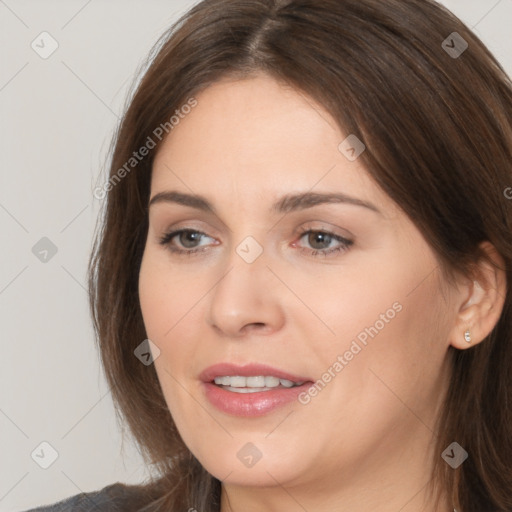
254 384
251 390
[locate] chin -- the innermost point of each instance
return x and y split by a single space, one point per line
259 475
243 464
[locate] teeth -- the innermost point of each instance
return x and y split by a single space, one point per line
237 382
271 382
252 384
255 382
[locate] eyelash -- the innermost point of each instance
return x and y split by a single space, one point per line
344 242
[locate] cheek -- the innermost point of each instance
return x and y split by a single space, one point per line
338 304
383 371
387 320
169 305
167 297
394 352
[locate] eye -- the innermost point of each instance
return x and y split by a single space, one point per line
324 242
188 241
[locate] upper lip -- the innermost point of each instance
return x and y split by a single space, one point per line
248 370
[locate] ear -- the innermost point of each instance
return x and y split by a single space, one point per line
482 302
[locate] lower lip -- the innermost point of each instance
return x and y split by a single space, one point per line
251 404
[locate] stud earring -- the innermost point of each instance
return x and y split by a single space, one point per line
467 336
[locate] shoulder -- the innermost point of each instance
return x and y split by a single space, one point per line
115 497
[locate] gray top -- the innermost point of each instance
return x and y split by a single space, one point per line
113 498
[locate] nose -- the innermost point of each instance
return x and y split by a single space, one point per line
244 300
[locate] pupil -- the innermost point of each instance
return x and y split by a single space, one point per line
321 238
188 238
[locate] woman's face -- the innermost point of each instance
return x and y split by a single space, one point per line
342 293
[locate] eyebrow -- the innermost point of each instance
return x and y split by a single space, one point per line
287 204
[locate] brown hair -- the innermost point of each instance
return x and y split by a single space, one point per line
438 133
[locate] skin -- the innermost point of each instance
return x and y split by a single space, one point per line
364 442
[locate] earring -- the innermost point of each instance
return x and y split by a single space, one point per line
467 336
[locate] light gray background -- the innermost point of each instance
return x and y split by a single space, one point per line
57 117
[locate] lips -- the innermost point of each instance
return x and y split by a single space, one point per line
255 403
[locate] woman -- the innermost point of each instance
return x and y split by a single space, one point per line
301 284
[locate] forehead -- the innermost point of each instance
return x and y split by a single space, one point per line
262 138
245 116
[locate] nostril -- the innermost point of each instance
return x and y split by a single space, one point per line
258 326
